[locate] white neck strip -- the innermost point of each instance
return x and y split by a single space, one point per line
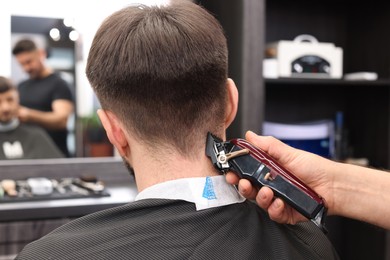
14 123
205 192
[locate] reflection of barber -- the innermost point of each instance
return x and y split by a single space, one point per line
45 97
19 140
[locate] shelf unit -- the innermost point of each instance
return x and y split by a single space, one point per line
365 106
361 30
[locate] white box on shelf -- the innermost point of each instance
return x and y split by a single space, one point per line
305 57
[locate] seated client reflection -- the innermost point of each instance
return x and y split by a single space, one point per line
19 140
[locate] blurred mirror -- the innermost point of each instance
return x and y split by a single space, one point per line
64 29
55 40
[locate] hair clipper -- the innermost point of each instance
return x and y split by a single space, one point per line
261 169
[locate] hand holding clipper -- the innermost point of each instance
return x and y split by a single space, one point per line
258 167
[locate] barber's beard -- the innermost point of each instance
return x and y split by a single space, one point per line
129 167
34 74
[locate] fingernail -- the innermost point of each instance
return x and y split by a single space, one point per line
262 194
277 204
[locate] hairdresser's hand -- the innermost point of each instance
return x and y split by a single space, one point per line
313 170
24 114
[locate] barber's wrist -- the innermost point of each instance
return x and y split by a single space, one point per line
344 185
334 197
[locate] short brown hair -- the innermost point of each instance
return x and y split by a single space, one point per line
6 85
24 45
162 71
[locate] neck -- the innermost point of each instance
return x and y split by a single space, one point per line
45 72
11 125
150 170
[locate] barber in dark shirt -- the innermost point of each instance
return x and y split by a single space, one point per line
45 97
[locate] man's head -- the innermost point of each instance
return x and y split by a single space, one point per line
30 57
9 101
163 72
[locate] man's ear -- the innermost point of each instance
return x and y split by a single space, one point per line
232 102
114 130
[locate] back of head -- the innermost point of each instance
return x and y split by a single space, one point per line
24 45
6 85
162 71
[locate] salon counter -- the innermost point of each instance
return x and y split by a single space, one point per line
24 222
66 208
111 171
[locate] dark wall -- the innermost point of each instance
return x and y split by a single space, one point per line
230 17
243 24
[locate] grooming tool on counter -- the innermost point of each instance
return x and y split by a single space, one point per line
1 191
90 183
43 188
9 187
258 167
40 186
58 187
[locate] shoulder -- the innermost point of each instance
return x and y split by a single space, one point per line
56 77
181 224
59 87
30 129
34 133
24 83
302 240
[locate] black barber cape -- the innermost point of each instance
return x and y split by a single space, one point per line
173 229
26 142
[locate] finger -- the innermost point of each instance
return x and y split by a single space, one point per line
266 143
260 141
278 212
244 186
232 178
246 189
278 150
264 197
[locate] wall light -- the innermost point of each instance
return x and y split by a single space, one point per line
55 34
73 35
